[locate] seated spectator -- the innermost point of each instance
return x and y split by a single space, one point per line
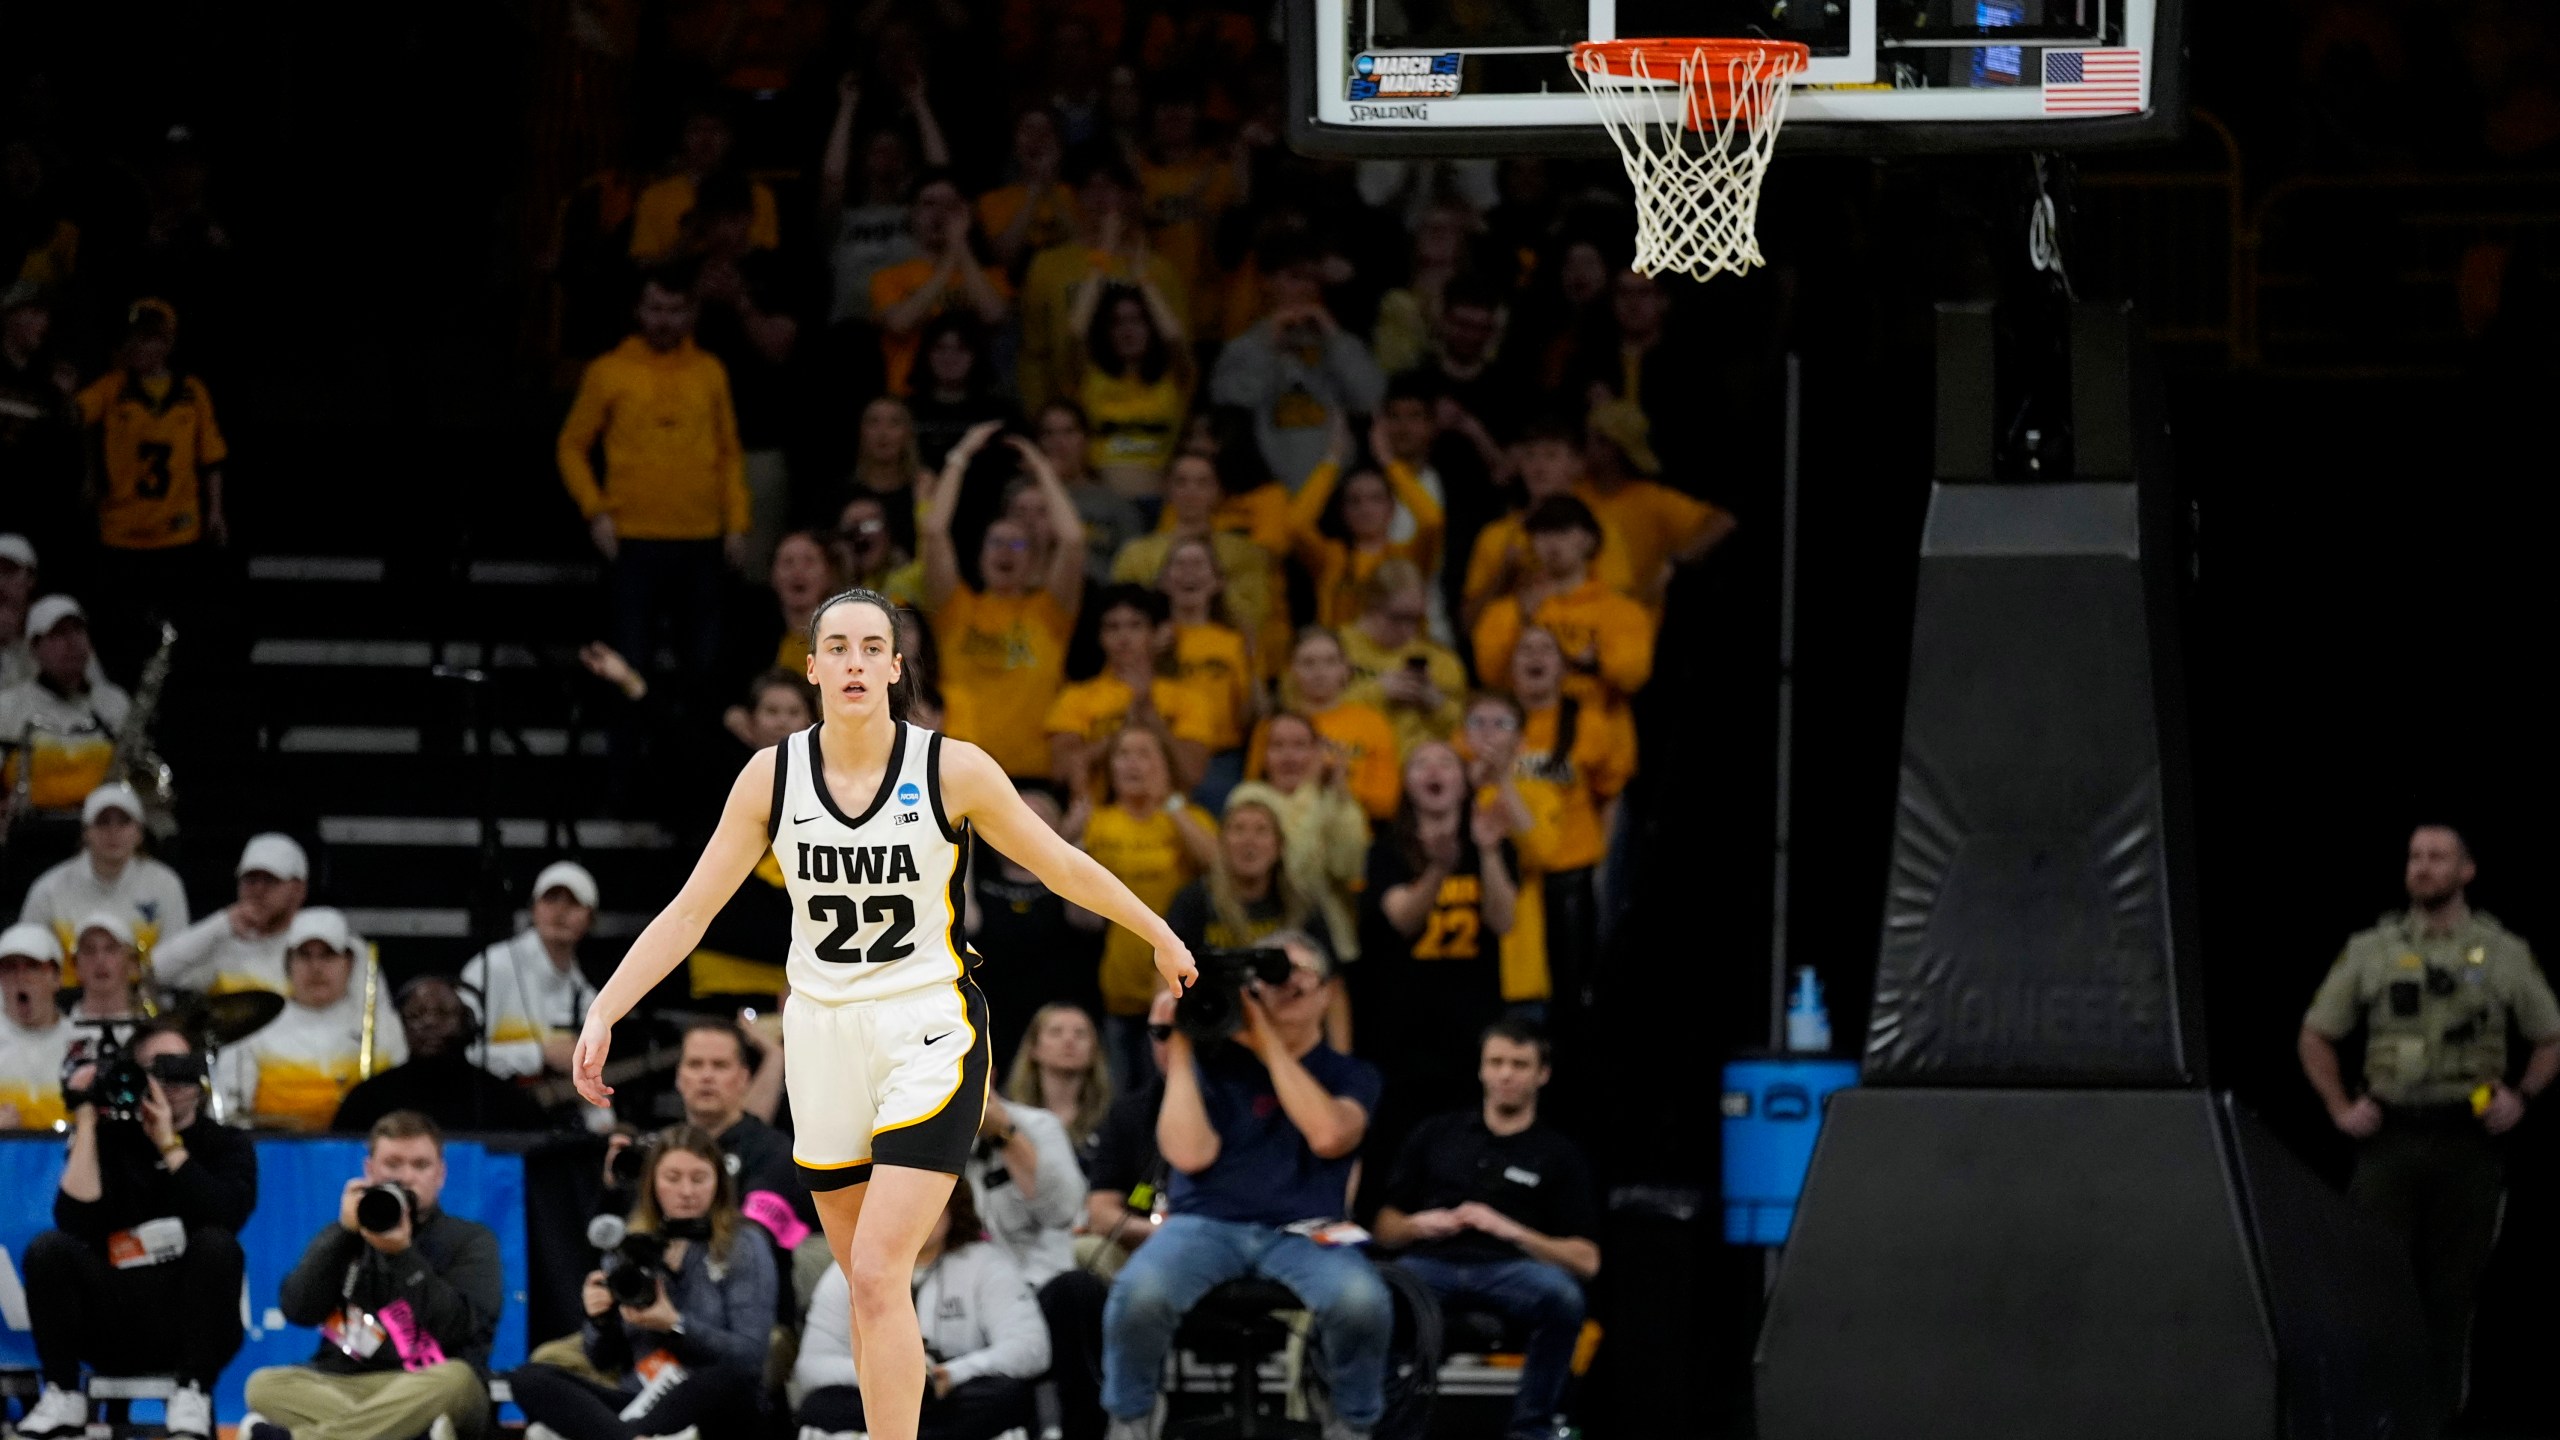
1358 741
946 275
18 584
983 1339
241 946
1548 459
955 385
722 1078
1127 1175
1395 668
147 1218
406 1315
1441 893
1570 763
61 721
1261 1131
1133 378
531 996
1496 1211
692 1360
1364 509
1004 640
1249 894
438 1079
1211 658
293 1073
108 968
866 226
1137 683
1034 209
157 474
35 1036
1029 1188
869 556
1156 842
1664 529
110 874
1110 238
1296 369
1256 597
702 152
1111 519
1607 638
1058 1069
1040 949
1324 832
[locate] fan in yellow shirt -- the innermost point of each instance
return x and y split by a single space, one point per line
1663 528
1134 378
1607 638
1034 212
1395 668
159 452
1366 514
1187 186
1257 599
1548 457
1136 685
657 221
945 276
1153 840
1210 656
1358 738
1004 641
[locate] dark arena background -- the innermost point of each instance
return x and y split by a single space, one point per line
379 248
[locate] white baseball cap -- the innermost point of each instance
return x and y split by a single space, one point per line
323 923
30 942
114 795
566 875
51 611
18 550
274 854
111 922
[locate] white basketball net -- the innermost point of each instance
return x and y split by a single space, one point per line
1696 173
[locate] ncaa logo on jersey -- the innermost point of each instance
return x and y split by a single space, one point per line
909 793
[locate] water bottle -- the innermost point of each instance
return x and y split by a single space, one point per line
1808 1021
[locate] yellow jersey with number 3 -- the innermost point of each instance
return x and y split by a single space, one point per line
152 440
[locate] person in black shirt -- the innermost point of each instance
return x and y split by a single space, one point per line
147 1216
438 1079
1495 1211
1125 1175
406 1315
1037 953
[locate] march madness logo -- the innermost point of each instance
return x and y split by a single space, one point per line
1404 77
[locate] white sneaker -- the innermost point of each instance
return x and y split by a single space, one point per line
690 1432
57 1412
536 1430
190 1414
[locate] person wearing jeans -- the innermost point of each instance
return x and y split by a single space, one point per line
1494 1212
1260 1131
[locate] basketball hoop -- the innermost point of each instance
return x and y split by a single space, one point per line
1696 164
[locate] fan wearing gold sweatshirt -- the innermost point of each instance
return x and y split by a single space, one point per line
292 1074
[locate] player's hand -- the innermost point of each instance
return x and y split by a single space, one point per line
586 1069
2360 1119
2506 1108
1174 963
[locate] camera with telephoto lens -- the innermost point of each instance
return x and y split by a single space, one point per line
640 1260
119 1083
1213 1008
384 1208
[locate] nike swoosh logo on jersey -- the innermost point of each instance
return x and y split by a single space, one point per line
937 1039
807 819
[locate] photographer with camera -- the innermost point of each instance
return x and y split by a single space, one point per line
680 1314
406 1299
1261 1121
152 1195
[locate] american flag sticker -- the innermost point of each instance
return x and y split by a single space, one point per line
2093 82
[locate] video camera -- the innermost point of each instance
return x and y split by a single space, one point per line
120 1083
1213 1008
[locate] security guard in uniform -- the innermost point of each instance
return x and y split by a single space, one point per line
2435 987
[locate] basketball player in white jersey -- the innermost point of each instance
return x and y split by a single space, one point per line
885 1035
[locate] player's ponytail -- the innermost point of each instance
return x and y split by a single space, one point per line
902 692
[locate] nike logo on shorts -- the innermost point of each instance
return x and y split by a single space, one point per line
937 1039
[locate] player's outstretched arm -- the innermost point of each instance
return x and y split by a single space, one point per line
977 790
732 852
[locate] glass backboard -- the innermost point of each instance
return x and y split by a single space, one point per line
1489 77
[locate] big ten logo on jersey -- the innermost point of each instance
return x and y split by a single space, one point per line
1456 922
1404 77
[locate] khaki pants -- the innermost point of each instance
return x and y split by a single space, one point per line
376 1405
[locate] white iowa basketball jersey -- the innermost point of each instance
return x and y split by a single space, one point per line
875 895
